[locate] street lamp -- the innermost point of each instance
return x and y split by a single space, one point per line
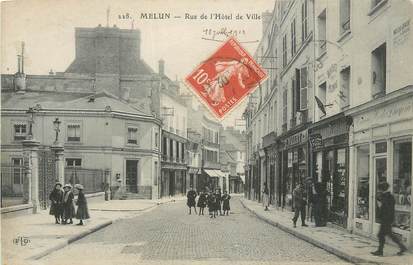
56 124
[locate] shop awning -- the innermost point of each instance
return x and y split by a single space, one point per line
220 173
211 173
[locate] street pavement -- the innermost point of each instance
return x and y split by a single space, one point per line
168 235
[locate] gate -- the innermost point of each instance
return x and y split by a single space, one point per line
47 176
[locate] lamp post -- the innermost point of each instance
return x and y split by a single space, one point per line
58 150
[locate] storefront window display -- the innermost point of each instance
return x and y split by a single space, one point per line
380 169
363 165
402 189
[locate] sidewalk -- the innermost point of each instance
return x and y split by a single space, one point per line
44 236
348 246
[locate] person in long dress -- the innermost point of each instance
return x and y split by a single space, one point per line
56 198
191 196
265 197
225 202
82 212
212 204
68 206
202 202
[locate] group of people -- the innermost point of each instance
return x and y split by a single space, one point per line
318 200
63 204
217 203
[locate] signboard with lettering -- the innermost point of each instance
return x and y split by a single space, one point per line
296 139
316 141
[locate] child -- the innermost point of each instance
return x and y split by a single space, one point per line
68 207
82 210
212 205
225 202
56 197
218 202
202 202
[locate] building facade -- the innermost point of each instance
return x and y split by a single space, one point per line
344 117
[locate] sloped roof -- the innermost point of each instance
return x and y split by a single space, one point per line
66 101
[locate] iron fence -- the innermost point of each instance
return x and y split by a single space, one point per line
93 180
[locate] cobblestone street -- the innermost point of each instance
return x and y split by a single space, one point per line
169 235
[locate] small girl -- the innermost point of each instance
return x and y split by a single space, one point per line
82 212
202 202
225 202
68 207
212 200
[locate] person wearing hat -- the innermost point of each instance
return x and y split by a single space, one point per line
56 207
386 209
191 195
68 207
82 212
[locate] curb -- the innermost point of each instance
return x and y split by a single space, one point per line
69 241
326 247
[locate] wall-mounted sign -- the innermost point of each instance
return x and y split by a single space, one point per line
316 140
298 138
401 33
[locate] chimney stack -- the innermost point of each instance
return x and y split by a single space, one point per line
161 67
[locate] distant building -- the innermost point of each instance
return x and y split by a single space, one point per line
232 158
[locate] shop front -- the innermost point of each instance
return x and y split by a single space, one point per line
294 165
329 151
381 150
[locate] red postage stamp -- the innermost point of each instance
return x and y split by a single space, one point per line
225 78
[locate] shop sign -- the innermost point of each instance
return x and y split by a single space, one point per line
298 138
401 33
316 141
290 159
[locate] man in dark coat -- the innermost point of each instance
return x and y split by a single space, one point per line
191 195
299 198
386 204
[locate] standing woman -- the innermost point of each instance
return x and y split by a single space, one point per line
68 207
191 195
211 204
202 202
56 197
265 197
225 202
82 212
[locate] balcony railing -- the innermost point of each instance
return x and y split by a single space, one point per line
323 46
345 25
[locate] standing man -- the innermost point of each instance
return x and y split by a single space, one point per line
191 195
299 204
265 197
385 203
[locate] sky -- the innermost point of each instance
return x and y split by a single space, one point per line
47 27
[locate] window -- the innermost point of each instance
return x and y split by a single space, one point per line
344 92
182 152
285 50
216 138
20 132
293 39
177 150
303 83
402 186
379 71
381 148
73 162
304 29
132 135
156 139
164 146
344 16
171 148
17 170
322 28
363 180
73 133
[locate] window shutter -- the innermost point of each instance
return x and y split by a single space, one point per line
293 98
297 90
284 106
303 88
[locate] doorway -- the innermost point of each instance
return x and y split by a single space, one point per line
131 176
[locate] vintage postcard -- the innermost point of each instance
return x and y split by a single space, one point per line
206 132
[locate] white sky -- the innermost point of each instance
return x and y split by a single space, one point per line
47 28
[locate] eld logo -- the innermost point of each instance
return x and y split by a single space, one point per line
225 78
